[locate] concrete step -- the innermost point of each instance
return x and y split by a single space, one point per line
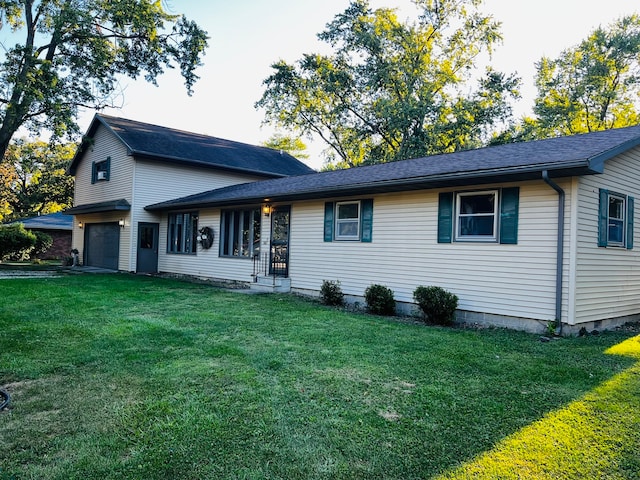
269 284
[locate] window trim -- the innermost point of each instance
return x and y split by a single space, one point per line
101 166
623 220
366 221
171 239
458 237
254 233
357 220
604 219
509 207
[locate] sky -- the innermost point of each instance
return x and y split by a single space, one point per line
247 36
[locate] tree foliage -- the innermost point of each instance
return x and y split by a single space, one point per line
593 86
393 90
15 241
33 178
71 53
291 145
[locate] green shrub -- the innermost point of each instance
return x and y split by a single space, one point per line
437 304
43 243
380 300
331 293
15 242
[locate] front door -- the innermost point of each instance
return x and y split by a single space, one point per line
147 248
279 259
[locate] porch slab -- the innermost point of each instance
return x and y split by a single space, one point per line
270 284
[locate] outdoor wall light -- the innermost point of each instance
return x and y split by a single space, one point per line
121 222
80 225
266 209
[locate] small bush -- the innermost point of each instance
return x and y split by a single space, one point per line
15 242
380 300
331 293
437 304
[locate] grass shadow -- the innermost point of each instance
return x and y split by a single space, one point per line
597 436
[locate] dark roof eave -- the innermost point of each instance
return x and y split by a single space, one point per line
397 185
120 205
597 162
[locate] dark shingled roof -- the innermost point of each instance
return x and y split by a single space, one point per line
153 142
52 221
560 157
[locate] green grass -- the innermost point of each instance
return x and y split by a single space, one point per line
124 377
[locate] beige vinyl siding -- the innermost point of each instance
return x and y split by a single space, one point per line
514 280
119 185
607 279
156 182
207 262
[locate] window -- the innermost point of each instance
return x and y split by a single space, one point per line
101 171
615 225
182 233
477 216
352 220
348 221
483 216
240 233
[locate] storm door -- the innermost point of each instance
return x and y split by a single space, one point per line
279 259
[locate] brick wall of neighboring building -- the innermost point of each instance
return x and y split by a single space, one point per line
61 246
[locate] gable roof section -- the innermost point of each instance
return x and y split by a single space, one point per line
156 143
564 156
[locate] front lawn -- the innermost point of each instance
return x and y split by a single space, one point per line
124 377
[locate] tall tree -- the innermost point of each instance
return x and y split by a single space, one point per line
71 52
393 90
593 86
291 145
34 179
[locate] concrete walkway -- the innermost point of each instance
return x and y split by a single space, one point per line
9 274
57 272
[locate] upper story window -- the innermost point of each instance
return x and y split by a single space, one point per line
477 216
615 225
182 232
101 171
240 233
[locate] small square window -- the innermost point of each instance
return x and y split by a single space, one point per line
101 171
348 221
